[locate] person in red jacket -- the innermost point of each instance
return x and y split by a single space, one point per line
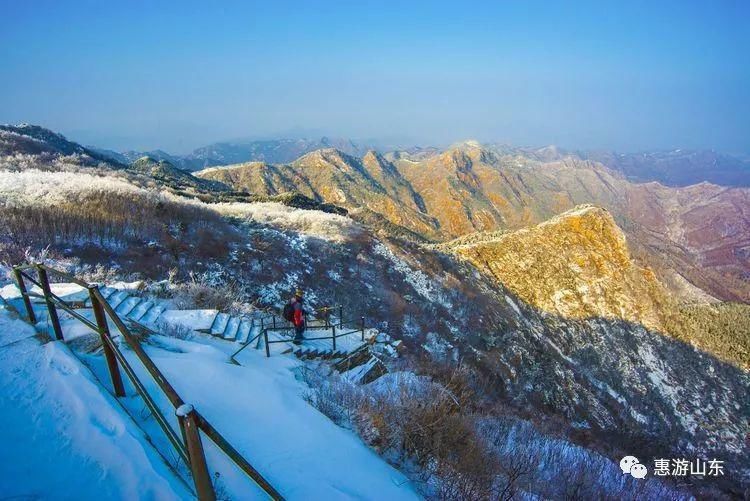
298 317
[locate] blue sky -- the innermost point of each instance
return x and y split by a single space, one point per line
617 75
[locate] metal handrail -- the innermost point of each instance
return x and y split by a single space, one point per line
356 331
315 327
333 335
245 345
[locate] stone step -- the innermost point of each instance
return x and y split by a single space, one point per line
106 293
233 325
220 324
354 359
257 332
141 310
128 305
153 314
116 299
243 332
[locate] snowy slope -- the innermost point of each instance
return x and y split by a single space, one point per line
63 436
259 407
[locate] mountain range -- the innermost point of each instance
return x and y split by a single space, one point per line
578 300
695 238
668 167
227 153
699 233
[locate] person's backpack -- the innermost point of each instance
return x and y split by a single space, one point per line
288 312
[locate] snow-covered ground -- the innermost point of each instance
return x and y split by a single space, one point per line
54 403
63 435
260 409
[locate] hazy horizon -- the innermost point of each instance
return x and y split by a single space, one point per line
176 76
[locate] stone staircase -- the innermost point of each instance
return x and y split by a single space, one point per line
146 314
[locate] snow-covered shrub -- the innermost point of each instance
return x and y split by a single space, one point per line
433 428
200 293
332 395
103 216
414 420
178 331
98 273
332 227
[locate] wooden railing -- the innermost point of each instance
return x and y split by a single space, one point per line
189 446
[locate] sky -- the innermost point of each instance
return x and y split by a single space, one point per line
627 76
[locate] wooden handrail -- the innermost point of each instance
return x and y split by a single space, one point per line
24 266
111 348
30 279
164 385
67 276
236 457
190 422
158 416
25 295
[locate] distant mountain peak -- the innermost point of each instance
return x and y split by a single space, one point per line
468 143
463 155
372 156
150 160
42 134
329 155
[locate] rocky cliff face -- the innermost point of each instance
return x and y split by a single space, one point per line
576 265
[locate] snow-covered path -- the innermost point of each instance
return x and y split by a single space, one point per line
62 435
260 408
59 414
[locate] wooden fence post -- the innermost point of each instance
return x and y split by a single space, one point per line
26 300
334 337
265 337
104 334
198 467
44 282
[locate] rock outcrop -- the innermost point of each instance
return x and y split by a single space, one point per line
576 265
